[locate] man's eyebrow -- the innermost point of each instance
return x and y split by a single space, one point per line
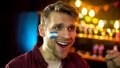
73 25
60 24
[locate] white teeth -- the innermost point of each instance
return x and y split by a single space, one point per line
62 43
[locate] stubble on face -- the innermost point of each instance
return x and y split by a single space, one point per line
52 45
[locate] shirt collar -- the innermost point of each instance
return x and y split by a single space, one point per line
37 54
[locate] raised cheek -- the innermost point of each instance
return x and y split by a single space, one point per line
73 34
60 34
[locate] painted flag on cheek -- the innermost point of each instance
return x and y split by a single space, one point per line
53 35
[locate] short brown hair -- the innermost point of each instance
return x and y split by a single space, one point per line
58 7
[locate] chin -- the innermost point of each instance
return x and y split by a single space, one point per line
64 56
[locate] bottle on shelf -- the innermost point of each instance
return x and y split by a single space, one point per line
100 50
95 49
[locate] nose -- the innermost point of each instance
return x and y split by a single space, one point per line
66 34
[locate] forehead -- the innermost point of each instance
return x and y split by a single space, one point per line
58 17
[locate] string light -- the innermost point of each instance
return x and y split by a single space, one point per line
84 11
108 30
116 24
81 16
77 3
91 13
95 20
101 23
87 16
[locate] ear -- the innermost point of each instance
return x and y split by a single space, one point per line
41 31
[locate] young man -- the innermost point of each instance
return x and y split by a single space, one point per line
58 30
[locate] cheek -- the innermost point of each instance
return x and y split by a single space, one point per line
51 44
73 34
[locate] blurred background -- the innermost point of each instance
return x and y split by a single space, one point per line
97 29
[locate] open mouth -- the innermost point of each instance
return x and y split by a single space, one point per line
62 44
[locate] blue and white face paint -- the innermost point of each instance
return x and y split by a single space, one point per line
53 35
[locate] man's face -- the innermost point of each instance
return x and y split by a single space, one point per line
64 25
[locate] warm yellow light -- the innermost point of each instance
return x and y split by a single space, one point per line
82 22
111 34
96 31
96 36
108 30
113 30
103 33
84 11
101 29
81 16
101 23
92 26
88 18
80 35
91 13
95 20
116 30
77 3
116 25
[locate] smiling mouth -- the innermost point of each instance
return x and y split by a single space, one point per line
63 44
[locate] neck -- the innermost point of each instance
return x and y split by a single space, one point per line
47 54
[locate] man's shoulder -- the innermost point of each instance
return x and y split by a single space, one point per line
78 60
72 54
19 61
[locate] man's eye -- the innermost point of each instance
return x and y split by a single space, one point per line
71 28
59 27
